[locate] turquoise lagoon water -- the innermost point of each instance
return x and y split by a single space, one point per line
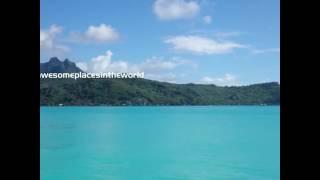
146 143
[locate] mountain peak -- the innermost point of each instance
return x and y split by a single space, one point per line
54 60
54 65
67 61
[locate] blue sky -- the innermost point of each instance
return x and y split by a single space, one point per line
223 42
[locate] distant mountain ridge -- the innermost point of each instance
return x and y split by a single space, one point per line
118 92
54 65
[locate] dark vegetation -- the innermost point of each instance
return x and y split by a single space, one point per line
93 92
147 92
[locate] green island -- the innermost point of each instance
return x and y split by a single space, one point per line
93 92
137 92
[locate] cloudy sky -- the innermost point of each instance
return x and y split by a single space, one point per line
223 42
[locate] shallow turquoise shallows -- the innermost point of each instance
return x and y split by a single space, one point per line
146 143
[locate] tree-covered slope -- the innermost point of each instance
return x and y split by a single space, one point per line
147 92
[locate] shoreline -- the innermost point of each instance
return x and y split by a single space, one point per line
158 105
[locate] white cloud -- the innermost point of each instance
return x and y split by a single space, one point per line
175 9
48 38
226 80
48 41
227 34
101 33
104 63
201 45
83 66
170 77
163 77
155 68
156 64
207 19
270 50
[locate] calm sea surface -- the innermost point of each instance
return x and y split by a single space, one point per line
146 143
